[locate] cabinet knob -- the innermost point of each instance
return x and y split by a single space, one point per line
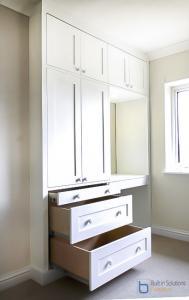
118 213
138 249
83 71
78 180
108 264
131 86
76 197
88 222
77 69
107 191
84 179
127 85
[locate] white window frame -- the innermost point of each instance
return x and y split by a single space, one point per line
172 164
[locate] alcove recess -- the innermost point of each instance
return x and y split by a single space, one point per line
130 146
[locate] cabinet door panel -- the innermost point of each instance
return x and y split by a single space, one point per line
137 74
64 128
63 45
95 131
116 65
93 57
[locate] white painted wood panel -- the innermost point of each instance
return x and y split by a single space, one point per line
64 128
105 256
127 71
137 75
65 197
95 131
113 259
116 71
93 57
92 219
63 45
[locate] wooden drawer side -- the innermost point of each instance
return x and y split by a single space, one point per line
59 220
70 258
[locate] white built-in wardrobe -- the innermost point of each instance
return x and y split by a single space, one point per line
89 164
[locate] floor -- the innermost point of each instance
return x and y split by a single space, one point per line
165 274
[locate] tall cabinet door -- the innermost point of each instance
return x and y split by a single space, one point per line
64 128
116 66
95 132
63 45
93 57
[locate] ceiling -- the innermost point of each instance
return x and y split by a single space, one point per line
147 25
22 6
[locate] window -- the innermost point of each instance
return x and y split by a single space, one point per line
177 126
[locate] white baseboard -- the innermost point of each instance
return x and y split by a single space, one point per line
46 277
14 278
29 272
173 233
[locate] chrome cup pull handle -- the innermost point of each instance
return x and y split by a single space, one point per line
118 213
138 249
108 264
76 197
87 222
107 191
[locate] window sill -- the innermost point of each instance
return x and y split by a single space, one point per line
176 171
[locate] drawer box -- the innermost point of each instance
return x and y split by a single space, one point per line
65 197
103 257
83 220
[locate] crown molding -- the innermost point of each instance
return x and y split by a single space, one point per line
170 50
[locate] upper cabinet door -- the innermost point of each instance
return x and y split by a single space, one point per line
127 71
93 57
95 131
64 128
116 66
63 45
137 74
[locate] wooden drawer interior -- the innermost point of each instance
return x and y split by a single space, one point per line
76 258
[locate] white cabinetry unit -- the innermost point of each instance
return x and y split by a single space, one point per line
77 119
70 152
101 258
95 131
64 43
64 128
116 66
80 221
127 71
137 75
93 57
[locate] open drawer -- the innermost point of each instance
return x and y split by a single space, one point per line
80 221
103 257
87 193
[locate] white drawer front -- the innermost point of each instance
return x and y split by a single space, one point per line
100 218
110 262
113 259
62 198
92 219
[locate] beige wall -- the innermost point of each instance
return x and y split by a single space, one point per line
170 193
129 137
14 169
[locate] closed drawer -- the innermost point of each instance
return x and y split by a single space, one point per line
65 197
103 257
83 220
